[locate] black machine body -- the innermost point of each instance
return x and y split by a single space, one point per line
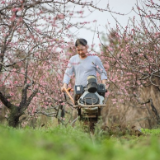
93 94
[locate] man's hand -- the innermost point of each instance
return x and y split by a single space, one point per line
64 87
104 81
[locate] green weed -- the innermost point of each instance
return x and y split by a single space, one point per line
68 143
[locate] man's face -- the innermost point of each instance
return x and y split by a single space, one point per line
82 51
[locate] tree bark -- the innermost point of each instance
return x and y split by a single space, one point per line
14 115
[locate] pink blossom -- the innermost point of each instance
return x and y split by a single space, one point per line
60 16
15 82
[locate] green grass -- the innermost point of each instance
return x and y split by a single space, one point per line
69 143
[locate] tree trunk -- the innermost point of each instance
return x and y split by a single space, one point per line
13 119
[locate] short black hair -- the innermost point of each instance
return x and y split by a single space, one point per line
81 41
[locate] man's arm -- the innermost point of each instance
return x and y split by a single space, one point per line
69 72
100 69
67 75
104 81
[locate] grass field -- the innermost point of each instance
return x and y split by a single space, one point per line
67 143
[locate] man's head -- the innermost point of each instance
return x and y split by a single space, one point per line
81 47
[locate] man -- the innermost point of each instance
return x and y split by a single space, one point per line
83 65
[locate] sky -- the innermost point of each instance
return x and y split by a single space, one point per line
104 18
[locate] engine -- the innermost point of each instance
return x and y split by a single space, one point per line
93 94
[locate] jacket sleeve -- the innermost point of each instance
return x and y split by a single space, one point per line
69 72
100 68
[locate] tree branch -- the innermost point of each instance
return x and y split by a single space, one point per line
5 101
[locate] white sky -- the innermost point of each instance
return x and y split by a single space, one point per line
121 6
